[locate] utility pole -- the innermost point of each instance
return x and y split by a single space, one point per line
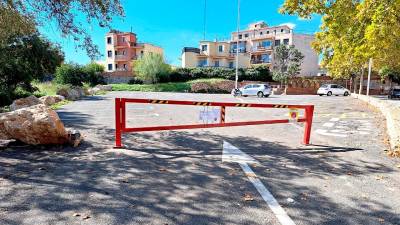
361 81
237 45
369 75
205 20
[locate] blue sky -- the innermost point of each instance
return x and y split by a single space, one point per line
175 24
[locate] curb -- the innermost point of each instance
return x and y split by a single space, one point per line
392 115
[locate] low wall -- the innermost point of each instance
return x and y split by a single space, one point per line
392 114
117 77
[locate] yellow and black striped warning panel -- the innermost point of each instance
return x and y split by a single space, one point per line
159 101
242 105
202 103
281 106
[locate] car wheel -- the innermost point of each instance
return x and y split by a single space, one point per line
320 95
244 95
260 94
329 93
346 93
266 96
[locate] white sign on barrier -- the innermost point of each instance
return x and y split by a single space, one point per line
209 116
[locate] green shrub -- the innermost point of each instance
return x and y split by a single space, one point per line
257 73
72 74
93 74
151 68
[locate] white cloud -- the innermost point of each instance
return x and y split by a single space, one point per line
291 25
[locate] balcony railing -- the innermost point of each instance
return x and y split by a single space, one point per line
256 61
121 69
262 48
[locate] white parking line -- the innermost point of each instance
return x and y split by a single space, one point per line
231 153
328 124
273 204
325 132
334 119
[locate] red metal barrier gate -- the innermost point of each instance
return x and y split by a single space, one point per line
120 116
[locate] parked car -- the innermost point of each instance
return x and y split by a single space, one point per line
394 93
259 90
333 89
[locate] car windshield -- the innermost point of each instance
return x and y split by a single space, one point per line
324 86
396 90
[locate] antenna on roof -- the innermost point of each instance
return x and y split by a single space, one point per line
131 30
205 20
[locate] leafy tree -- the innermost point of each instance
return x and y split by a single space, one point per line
389 73
93 73
287 62
151 68
352 32
13 24
72 74
64 15
24 59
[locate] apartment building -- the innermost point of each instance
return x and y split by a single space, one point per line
122 49
256 45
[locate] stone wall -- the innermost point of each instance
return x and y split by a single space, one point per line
117 77
392 114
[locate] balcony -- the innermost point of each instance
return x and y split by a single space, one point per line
121 58
262 48
121 69
257 61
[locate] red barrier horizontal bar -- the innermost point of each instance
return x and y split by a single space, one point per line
198 103
196 126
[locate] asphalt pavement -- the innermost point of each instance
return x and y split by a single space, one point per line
179 177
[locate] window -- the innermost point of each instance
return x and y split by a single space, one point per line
261 33
266 58
216 63
266 44
203 62
240 36
256 86
281 30
221 48
286 41
109 66
116 66
125 66
204 48
109 54
277 42
109 40
230 64
334 86
267 31
246 35
123 39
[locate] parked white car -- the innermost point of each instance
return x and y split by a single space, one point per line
260 90
333 89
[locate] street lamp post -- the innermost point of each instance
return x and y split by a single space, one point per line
237 46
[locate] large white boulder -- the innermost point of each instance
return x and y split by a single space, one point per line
24 102
104 87
33 125
72 94
51 100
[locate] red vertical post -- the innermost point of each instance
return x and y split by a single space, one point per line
222 119
118 143
309 112
123 114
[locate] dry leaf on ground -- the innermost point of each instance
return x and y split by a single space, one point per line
248 197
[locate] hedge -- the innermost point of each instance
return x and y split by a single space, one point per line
259 73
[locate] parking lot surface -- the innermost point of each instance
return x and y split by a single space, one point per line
237 175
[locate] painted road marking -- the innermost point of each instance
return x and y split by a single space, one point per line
328 124
325 132
273 204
